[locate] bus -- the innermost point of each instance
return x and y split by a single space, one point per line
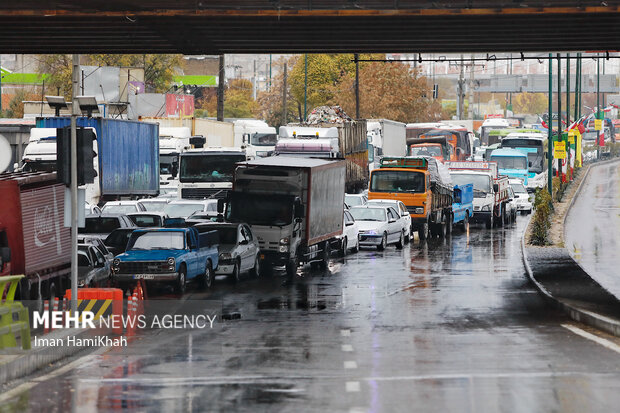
535 146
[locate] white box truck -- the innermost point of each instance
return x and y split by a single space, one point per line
294 206
385 138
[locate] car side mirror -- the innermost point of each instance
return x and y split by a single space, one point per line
220 206
348 224
100 264
495 188
391 220
244 242
299 209
529 164
5 254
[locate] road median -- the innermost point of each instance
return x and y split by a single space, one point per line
560 278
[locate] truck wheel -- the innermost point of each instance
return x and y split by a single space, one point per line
401 241
181 281
343 247
423 231
441 229
489 223
236 274
383 244
291 268
449 221
256 269
327 252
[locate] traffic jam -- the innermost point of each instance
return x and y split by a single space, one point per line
321 190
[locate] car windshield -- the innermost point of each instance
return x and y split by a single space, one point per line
481 183
100 225
397 181
83 260
155 206
518 188
426 151
166 163
209 167
146 220
368 214
118 239
510 162
182 210
160 240
264 139
260 209
119 209
353 200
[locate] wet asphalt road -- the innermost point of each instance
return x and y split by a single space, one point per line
593 226
450 326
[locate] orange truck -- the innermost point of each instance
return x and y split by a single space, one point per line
439 148
421 184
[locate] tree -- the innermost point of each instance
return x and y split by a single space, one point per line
15 107
388 90
59 68
269 103
529 103
238 100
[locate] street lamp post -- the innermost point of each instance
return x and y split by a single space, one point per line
549 130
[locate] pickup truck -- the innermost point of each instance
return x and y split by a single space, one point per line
463 205
168 255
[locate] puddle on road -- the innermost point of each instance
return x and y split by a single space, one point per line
304 297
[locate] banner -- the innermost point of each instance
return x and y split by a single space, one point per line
179 106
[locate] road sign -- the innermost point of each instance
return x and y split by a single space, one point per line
598 124
559 150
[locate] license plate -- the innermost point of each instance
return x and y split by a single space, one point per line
143 277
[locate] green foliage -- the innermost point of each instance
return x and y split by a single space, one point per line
238 101
15 107
541 220
201 113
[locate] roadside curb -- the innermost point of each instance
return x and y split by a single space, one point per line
22 363
599 321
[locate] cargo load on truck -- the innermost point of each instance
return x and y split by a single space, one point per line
294 206
33 239
127 161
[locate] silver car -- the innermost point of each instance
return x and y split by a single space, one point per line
239 252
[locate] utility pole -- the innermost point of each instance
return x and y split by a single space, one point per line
75 111
549 130
284 114
220 90
472 66
357 86
559 110
568 89
254 81
305 86
598 104
269 73
459 90
578 88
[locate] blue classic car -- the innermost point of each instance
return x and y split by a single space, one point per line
168 255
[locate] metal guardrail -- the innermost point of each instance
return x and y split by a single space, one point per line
10 328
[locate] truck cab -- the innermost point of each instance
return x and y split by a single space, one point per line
208 173
172 142
512 163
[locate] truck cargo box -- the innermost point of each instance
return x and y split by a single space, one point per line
128 153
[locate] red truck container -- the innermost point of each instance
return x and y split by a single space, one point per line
33 234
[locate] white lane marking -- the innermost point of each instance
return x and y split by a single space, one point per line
350 364
347 347
599 340
37 380
353 386
345 333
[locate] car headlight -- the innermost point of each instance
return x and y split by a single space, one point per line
486 208
225 256
419 210
371 232
116 263
171 264
284 241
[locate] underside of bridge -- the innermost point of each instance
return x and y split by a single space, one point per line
272 26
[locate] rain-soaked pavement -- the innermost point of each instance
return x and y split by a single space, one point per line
593 226
450 326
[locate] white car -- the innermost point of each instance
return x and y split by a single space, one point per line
239 251
183 208
349 240
122 207
379 226
352 200
154 204
522 197
511 208
401 209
